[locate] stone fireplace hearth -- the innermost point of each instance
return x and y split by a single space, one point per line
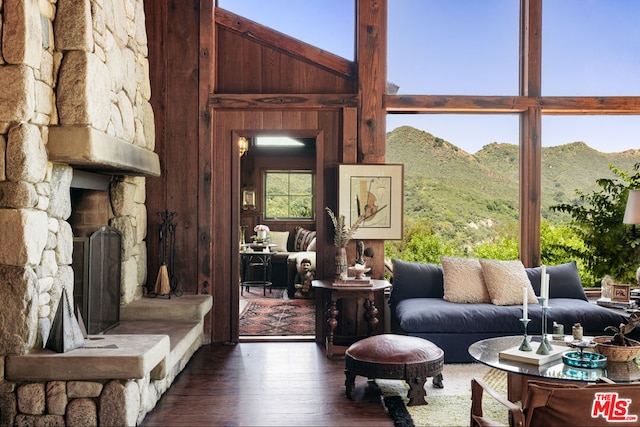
75 104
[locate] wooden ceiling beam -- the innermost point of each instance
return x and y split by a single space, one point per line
620 105
285 100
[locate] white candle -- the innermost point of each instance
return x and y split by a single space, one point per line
543 278
546 292
525 301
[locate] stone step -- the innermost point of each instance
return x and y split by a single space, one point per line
185 307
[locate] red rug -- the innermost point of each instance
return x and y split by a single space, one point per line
283 317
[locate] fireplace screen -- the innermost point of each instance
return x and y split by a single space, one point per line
96 265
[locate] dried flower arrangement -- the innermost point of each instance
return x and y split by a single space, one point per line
342 236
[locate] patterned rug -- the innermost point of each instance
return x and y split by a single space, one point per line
278 317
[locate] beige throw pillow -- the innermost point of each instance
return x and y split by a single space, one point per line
279 238
463 280
505 280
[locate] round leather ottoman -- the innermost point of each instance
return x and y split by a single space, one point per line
395 357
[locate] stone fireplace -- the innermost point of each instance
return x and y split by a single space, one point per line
74 106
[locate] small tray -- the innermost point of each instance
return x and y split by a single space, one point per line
584 359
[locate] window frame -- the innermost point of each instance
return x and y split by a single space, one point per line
290 172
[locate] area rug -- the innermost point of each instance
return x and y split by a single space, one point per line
449 406
278 317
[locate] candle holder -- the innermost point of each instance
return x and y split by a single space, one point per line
525 346
545 347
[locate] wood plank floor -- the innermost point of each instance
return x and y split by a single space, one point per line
266 384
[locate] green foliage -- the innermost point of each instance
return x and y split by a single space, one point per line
419 244
596 218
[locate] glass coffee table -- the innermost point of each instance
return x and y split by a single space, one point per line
518 373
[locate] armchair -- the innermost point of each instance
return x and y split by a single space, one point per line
563 404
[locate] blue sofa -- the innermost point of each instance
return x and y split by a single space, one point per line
419 309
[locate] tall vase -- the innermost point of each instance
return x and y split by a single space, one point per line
243 230
341 263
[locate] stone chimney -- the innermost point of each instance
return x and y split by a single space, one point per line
74 79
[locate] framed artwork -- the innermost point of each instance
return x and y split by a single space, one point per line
248 199
374 190
621 293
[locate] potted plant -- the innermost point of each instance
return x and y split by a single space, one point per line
619 347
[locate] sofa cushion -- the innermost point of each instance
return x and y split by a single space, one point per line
564 281
302 239
312 245
505 280
280 239
463 280
415 280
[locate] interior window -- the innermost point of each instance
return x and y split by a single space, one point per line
289 194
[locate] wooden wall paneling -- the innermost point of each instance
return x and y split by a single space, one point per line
156 23
272 68
182 144
206 85
228 62
251 72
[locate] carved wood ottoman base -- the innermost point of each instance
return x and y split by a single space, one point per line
395 357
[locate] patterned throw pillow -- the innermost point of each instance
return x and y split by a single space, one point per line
302 239
463 280
505 280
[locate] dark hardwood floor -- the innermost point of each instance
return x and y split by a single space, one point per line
266 384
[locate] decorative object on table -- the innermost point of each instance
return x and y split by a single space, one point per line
358 271
544 347
620 348
605 287
359 253
577 331
558 331
620 293
582 359
341 238
261 235
375 191
525 346
531 357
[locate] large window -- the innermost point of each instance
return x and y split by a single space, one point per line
288 194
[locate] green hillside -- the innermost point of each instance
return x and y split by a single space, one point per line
470 198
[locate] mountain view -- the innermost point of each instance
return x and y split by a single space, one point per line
473 197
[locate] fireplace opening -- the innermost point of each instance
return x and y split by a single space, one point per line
97 252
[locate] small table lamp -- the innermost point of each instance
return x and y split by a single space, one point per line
632 216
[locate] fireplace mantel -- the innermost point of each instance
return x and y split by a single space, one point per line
89 149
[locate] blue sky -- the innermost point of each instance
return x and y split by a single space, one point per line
470 47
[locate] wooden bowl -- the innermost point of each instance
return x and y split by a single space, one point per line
616 353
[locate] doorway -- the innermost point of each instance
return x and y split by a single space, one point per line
260 164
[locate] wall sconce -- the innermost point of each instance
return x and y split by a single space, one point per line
243 145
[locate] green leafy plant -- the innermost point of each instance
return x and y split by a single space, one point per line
342 235
609 247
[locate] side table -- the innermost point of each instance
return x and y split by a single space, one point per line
258 260
339 292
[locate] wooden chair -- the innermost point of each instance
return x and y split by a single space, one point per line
563 404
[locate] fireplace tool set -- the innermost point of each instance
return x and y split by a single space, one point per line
166 282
